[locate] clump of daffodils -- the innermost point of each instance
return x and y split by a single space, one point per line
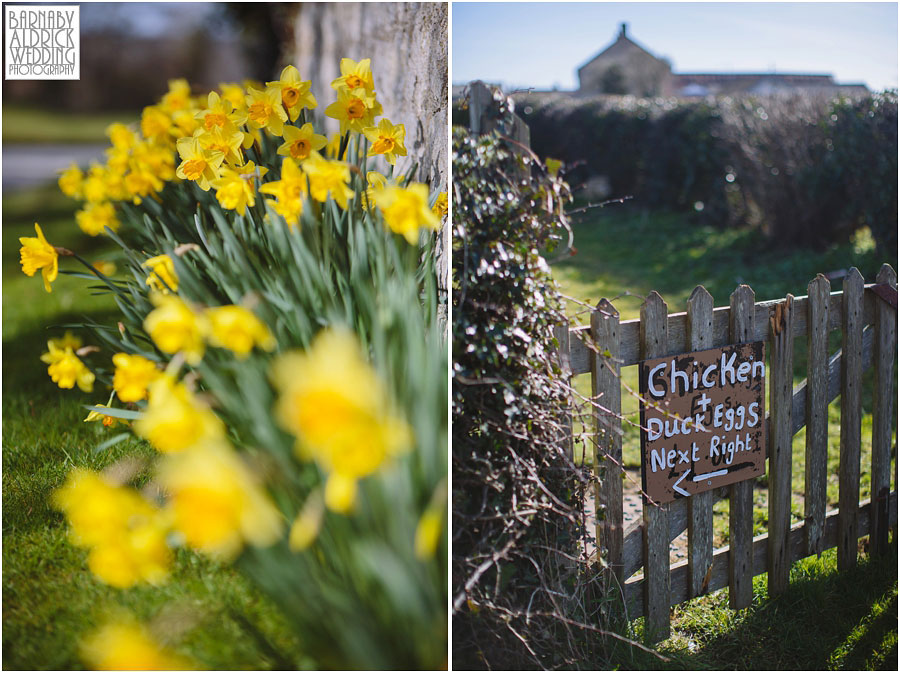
277 349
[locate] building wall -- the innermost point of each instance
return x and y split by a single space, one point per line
642 74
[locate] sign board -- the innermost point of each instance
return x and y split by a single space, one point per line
702 420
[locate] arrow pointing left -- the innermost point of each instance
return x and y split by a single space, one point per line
677 488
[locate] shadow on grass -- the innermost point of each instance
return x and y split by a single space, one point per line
825 620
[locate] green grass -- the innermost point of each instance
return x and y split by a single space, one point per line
23 124
623 254
50 600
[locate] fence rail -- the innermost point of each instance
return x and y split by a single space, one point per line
867 318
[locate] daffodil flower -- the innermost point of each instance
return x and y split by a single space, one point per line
198 164
95 217
295 94
238 330
405 210
66 369
327 177
37 253
355 75
354 110
264 110
288 191
175 328
386 139
300 142
133 375
162 277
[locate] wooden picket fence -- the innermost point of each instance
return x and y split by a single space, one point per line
867 318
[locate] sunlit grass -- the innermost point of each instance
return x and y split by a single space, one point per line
23 124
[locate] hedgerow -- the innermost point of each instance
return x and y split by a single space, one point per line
806 170
519 586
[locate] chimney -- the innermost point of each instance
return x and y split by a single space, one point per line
622 28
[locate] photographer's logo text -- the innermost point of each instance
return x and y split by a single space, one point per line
42 42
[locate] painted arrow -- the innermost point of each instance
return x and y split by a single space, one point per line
675 486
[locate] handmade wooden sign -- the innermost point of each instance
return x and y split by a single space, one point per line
702 420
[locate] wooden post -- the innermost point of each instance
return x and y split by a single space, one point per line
819 291
851 421
740 509
700 513
607 392
780 397
882 407
654 343
561 332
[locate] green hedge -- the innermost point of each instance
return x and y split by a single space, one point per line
808 171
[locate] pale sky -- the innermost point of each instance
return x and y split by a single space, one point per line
541 45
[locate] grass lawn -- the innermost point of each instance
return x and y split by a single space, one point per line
623 254
23 124
50 600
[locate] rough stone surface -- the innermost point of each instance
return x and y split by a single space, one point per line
407 43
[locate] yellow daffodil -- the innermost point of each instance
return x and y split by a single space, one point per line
162 277
238 330
95 217
333 401
354 110
66 369
386 139
234 94
333 146
288 191
175 419
156 159
178 97
440 206
156 125
105 267
175 328
234 189
299 142
355 75
405 210
327 177
219 113
96 184
125 533
141 181
197 164
107 420
228 141
71 182
133 375
67 340
264 110
428 532
306 526
121 136
37 253
126 646
215 501
295 94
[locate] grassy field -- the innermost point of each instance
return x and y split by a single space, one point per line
622 255
209 611
22 124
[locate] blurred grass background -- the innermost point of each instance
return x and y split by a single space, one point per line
50 599
623 253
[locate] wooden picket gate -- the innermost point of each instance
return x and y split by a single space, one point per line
867 318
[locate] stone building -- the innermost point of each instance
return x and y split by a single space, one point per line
625 67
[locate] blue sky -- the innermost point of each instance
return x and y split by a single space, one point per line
542 44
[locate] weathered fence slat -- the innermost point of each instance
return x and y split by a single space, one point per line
851 421
656 517
816 389
882 408
780 395
719 575
629 330
740 509
700 513
607 392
